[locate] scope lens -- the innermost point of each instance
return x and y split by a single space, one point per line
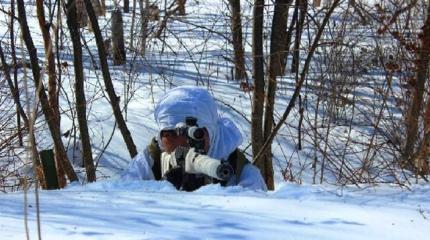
196 133
199 133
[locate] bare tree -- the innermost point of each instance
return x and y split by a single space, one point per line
81 102
302 5
394 21
236 28
118 47
423 153
258 77
262 153
288 35
301 8
14 65
417 159
113 98
144 25
15 94
47 110
81 13
126 6
181 7
99 7
412 118
52 80
277 47
103 7
133 22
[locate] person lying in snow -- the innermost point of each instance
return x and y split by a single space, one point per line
195 146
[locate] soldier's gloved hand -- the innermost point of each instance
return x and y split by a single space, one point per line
202 164
174 176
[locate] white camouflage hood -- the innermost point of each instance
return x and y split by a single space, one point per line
190 101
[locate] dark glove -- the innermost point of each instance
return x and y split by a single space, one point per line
175 176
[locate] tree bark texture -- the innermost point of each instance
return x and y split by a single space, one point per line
81 13
413 115
52 83
317 3
423 157
289 36
99 7
144 26
277 48
81 103
236 28
114 100
301 6
259 157
118 48
133 22
181 7
126 6
15 70
103 7
258 77
419 161
49 114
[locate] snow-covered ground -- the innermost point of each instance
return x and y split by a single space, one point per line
111 209
155 210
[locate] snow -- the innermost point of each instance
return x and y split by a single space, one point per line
155 210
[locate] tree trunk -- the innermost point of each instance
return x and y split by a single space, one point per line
422 160
49 53
133 21
118 48
81 13
98 8
414 112
144 27
15 70
126 6
418 161
103 7
81 103
302 6
278 35
277 48
52 84
59 43
49 114
181 7
317 3
258 93
114 100
143 30
289 36
236 28
267 142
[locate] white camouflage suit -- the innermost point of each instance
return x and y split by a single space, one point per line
179 103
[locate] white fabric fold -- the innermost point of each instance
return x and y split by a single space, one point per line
190 101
